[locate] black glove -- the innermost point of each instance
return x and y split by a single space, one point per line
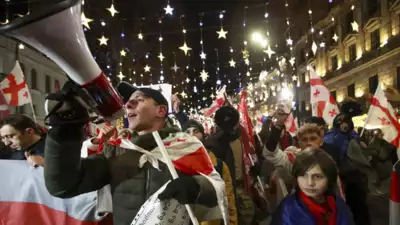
185 190
64 108
255 170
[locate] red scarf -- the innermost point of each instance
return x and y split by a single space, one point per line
324 214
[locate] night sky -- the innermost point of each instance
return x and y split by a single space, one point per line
145 15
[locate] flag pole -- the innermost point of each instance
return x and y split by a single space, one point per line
173 172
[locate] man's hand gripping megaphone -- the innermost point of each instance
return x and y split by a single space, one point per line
71 105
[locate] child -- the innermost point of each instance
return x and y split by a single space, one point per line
314 202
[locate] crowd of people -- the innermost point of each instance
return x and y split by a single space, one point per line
322 176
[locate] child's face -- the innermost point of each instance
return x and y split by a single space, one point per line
313 183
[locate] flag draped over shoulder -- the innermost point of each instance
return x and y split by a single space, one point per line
323 103
24 200
189 156
14 87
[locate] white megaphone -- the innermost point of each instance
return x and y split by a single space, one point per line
58 33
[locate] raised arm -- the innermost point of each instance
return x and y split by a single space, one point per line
66 174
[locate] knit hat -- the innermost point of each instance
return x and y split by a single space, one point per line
193 124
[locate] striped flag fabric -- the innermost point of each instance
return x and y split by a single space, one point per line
217 104
24 200
394 208
188 156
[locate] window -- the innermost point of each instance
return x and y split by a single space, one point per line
33 79
57 85
47 84
373 8
398 78
352 52
351 90
303 106
347 28
334 61
333 94
303 78
373 84
375 39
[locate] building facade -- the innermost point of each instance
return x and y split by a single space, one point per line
357 47
41 73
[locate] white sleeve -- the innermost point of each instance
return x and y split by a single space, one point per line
278 158
86 145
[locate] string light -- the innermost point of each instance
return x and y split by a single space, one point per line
112 9
103 40
221 33
185 48
203 74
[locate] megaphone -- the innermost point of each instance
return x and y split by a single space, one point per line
57 32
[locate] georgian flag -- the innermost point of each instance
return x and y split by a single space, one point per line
291 125
14 87
323 104
189 156
381 115
394 207
217 104
24 200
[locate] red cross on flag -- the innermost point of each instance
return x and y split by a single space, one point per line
381 115
14 87
217 104
323 104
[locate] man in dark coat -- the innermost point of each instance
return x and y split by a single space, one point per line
67 175
23 136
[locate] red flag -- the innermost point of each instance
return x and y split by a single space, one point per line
217 104
291 125
253 185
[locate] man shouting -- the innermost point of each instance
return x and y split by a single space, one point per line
67 175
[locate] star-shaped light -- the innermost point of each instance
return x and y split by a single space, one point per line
222 33
120 76
85 21
248 73
292 61
354 25
335 37
122 52
140 36
185 48
203 55
183 94
204 75
103 40
161 56
232 63
147 68
187 80
314 47
245 54
169 10
289 41
112 10
294 78
175 68
247 61
269 52
322 44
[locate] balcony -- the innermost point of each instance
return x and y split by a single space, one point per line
393 43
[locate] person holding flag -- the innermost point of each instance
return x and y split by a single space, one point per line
132 175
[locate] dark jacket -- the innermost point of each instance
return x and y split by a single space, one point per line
292 211
35 149
67 175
